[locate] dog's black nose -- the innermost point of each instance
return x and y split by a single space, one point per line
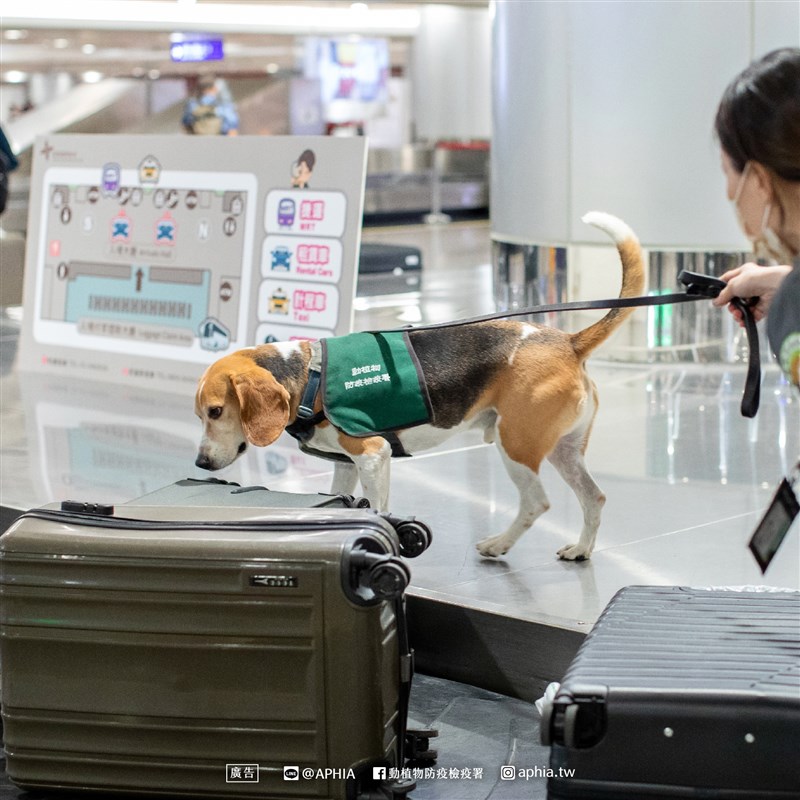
203 461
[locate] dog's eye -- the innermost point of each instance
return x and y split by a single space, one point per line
215 412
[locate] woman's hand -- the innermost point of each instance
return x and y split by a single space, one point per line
751 281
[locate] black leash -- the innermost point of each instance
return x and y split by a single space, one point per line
698 287
575 305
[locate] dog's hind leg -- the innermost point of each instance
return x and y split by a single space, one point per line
533 503
567 458
525 441
345 478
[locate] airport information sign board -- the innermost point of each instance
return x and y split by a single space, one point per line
150 256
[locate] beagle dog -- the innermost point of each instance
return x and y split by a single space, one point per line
524 385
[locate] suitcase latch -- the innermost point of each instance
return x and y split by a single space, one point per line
96 509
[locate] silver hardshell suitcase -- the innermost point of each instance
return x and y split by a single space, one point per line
204 651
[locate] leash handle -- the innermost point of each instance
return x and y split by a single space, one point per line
752 386
697 283
700 285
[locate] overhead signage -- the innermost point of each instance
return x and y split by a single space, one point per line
191 50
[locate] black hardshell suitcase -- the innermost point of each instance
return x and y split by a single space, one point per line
681 693
388 269
204 650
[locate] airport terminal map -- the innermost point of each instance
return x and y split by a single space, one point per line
142 266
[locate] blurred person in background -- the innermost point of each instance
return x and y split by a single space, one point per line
211 111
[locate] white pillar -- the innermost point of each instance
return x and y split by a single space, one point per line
451 75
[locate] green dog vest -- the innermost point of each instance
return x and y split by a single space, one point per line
372 383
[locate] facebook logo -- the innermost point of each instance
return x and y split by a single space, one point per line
379 773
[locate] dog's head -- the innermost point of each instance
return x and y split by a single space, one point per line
238 402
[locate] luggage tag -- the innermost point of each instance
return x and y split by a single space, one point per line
777 520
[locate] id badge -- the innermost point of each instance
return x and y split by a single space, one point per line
777 520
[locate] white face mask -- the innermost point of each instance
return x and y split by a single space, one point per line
767 245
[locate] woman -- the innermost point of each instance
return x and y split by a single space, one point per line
758 127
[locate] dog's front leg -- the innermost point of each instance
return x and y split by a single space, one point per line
372 458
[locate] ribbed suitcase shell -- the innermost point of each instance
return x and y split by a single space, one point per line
145 659
682 693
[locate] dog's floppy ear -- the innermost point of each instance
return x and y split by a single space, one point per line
264 405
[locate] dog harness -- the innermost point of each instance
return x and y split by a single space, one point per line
378 349
371 384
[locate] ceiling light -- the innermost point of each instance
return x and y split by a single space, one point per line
15 76
15 35
272 68
154 74
88 49
359 8
272 17
92 76
60 43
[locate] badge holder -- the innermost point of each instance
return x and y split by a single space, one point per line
777 520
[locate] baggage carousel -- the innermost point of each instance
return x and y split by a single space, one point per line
686 478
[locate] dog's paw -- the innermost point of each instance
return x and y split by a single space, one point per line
574 552
493 546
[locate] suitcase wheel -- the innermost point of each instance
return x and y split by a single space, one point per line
388 578
355 502
574 723
372 577
415 538
417 746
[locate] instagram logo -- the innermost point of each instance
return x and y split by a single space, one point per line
507 773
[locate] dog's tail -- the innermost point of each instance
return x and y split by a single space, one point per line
630 252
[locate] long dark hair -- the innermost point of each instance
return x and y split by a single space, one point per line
759 115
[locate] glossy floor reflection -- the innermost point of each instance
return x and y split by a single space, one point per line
686 477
